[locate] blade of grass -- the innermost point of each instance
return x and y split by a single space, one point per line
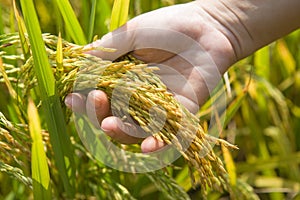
43 70
92 21
58 21
59 56
119 13
182 178
102 16
230 165
22 31
63 153
39 167
85 13
70 19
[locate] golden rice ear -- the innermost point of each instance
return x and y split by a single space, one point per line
140 91
128 78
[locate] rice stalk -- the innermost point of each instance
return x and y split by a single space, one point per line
134 89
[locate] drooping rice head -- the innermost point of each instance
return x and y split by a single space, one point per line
138 95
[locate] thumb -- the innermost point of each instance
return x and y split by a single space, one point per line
122 40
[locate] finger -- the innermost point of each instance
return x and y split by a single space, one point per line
76 102
122 132
122 40
137 35
97 107
151 144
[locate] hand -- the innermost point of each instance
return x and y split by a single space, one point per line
186 43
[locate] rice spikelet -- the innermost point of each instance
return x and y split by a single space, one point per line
138 95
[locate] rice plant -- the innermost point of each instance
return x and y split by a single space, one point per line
261 118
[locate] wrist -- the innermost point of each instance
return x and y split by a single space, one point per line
250 25
217 37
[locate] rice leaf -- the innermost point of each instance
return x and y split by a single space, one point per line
72 25
230 165
59 55
39 167
182 179
103 15
22 31
50 101
41 63
119 13
92 20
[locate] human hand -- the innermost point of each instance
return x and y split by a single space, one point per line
188 46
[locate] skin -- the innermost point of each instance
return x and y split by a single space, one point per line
222 32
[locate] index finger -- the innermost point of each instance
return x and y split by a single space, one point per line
121 40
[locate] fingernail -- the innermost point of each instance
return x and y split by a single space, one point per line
76 102
68 101
151 144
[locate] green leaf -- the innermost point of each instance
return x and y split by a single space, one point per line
39 167
22 31
230 165
92 20
119 14
43 70
72 25
59 56
183 179
103 15
60 142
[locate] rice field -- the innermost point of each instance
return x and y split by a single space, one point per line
42 155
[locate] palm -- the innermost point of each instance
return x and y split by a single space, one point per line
190 50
